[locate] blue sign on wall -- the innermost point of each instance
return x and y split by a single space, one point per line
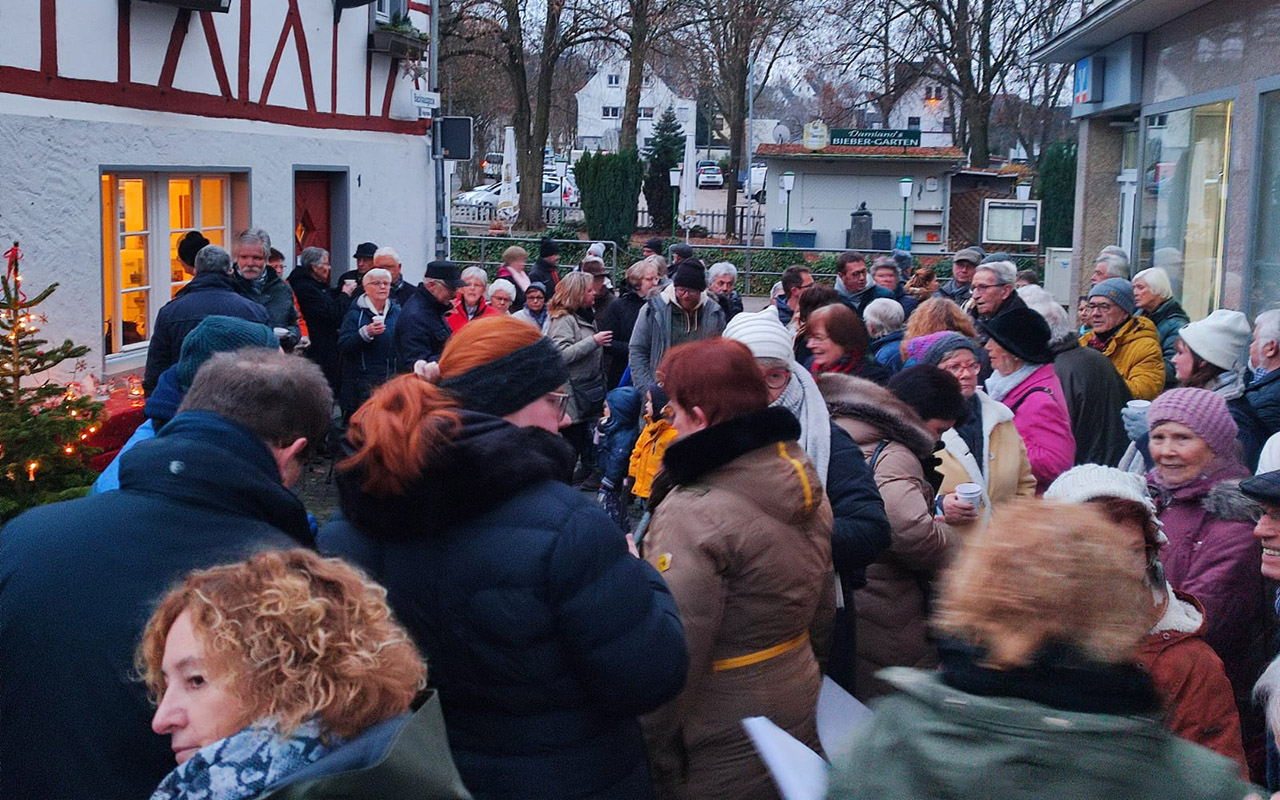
1087 84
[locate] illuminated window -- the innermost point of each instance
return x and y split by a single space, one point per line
144 217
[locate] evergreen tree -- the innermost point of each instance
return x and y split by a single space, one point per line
610 186
42 423
1058 191
664 153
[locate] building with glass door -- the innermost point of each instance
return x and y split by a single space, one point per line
1178 110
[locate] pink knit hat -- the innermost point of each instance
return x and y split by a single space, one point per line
1202 411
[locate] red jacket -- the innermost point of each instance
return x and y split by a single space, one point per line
1199 705
458 317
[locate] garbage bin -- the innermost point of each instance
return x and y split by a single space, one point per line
881 239
797 238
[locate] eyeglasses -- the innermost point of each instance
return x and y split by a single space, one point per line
777 378
982 287
561 399
819 337
1099 306
971 368
808 285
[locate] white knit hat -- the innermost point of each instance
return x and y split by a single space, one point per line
596 250
1222 338
763 334
1092 481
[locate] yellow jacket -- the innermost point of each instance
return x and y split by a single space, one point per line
1134 350
646 458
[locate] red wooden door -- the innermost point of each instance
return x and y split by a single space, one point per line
312 198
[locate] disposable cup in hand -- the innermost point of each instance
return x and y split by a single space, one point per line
378 319
280 332
349 283
1138 404
971 493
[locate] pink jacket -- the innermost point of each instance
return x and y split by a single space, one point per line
1040 414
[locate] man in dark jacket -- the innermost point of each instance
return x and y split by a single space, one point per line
262 285
993 293
1264 356
322 307
211 291
853 282
963 264
421 331
364 262
79 579
546 268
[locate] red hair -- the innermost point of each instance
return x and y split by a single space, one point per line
407 420
718 375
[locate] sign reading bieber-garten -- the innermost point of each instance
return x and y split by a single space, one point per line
858 137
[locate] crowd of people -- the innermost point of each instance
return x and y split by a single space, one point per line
584 531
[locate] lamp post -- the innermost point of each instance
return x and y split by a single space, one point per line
562 168
787 181
904 187
674 175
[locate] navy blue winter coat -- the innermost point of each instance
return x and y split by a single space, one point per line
78 581
365 365
323 309
204 295
1264 395
545 637
421 332
620 433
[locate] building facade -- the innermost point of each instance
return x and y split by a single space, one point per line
925 105
127 124
1178 111
600 103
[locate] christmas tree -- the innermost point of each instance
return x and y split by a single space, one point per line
43 424
665 152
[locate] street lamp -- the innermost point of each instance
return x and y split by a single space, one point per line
904 187
562 168
674 175
787 182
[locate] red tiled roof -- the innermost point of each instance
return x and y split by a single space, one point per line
943 153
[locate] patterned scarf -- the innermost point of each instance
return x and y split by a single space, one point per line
245 764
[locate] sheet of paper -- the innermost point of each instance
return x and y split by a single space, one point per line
840 716
800 773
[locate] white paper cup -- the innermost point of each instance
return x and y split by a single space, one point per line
971 493
1138 404
379 318
349 283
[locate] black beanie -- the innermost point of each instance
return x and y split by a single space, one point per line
548 248
933 393
681 251
1022 332
691 275
189 246
654 244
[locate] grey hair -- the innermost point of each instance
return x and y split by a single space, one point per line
721 268
476 272
1117 266
387 251
377 272
1266 326
1266 692
254 236
1117 251
883 315
1039 300
212 260
502 285
1004 272
1157 280
311 257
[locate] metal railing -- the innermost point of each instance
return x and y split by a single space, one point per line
484 213
486 252
713 220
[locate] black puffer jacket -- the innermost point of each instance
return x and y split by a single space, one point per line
421 332
620 318
545 637
275 295
323 309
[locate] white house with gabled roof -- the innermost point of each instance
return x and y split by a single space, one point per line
601 99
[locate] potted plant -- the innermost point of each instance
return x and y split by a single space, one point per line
398 38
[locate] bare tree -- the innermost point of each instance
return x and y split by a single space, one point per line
644 24
1034 91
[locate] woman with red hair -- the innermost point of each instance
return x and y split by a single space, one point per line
741 531
546 637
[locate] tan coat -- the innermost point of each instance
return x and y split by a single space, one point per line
745 545
893 607
1005 472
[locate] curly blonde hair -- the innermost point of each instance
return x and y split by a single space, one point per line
298 636
1043 572
935 315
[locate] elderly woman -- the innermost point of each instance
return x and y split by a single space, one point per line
1024 380
721 278
838 340
1044 598
546 637
1154 297
470 303
289 667
571 326
514 259
748 594
1198 702
322 309
367 341
535 306
933 316
885 321
985 449
501 295
1212 553
620 318
898 445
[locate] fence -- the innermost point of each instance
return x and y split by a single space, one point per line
486 252
484 213
713 221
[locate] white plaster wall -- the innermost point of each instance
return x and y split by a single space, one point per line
150 25
597 93
51 161
353 37
20 23
195 62
83 49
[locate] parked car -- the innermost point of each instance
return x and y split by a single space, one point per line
551 195
758 175
707 163
492 165
710 176
475 195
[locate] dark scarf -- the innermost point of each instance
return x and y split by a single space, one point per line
587 314
688 459
970 430
1098 341
1059 677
